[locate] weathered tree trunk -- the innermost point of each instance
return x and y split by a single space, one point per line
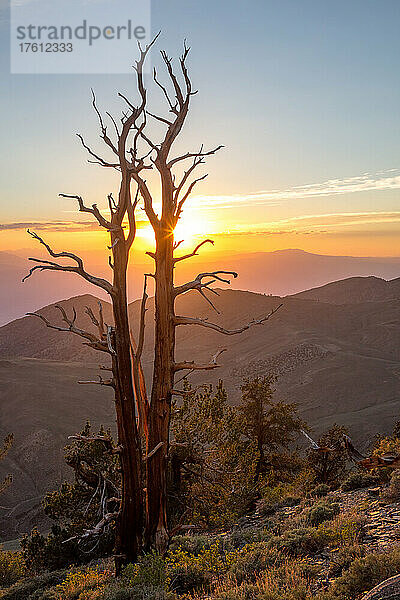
160 405
259 431
130 526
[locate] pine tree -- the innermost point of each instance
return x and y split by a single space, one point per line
271 425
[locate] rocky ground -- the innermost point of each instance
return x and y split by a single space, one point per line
381 532
382 520
388 590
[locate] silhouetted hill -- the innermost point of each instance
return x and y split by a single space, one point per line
354 290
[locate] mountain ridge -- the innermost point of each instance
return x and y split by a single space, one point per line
354 289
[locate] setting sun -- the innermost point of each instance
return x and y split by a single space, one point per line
190 226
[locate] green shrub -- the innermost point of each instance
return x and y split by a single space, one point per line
149 572
251 560
365 573
188 578
288 581
283 494
343 530
34 588
242 537
392 492
117 591
246 591
83 584
343 558
12 568
266 508
188 572
50 594
193 544
299 542
52 553
291 500
319 490
359 479
323 511
181 571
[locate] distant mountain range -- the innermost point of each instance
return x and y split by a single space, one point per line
278 273
335 349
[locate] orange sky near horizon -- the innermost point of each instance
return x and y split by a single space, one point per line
355 235
355 216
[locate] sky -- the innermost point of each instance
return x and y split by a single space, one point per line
304 96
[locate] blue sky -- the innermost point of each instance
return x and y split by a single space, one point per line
299 91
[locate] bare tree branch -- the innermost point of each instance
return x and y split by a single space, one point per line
97 530
158 118
94 342
192 366
172 107
186 195
99 323
104 135
184 394
173 161
93 211
195 251
203 323
198 283
186 175
101 381
154 451
99 159
79 269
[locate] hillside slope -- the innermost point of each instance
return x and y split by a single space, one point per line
41 403
339 362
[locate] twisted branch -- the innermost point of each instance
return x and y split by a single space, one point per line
46 265
192 366
93 341
198 284
195 251
203 323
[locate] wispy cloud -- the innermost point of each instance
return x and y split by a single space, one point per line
367 182
16 3
50 226
343 219
318 224
63 226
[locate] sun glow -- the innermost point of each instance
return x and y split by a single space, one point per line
189 228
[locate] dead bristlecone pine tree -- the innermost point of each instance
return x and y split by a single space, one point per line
140 513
